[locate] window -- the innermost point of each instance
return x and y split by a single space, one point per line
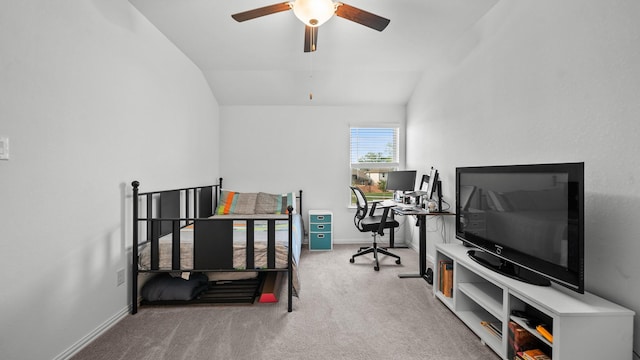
373 153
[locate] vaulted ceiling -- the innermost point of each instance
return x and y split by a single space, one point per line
261 61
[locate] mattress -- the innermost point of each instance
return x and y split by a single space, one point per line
239 247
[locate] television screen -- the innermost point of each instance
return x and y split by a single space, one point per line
404 180
527 220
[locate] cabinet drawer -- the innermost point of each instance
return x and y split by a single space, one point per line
321 218
320 227
320 241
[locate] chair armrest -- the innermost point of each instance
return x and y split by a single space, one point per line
383 221
374 204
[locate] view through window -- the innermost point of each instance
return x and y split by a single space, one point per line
374 153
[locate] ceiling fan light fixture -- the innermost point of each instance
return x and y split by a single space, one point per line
314 12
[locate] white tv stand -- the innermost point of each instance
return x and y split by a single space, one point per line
584 326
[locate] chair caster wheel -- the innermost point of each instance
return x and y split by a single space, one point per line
398 262
352 260
376 268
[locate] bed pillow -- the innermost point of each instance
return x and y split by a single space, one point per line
268 203
289 199
275 203
233 202
246 204
227 202
164 287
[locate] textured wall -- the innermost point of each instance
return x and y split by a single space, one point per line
547 81
285 148
87 91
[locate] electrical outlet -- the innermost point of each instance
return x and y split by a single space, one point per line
120 275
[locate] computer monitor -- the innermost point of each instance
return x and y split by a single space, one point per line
433 183
404 180
424 184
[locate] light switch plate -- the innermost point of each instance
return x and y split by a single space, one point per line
4 148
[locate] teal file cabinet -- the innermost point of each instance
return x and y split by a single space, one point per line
320 230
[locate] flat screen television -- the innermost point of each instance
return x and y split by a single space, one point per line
524 221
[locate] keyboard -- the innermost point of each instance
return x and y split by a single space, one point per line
408 210
406 206
400 207
388 203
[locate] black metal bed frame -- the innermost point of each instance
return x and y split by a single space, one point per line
213 240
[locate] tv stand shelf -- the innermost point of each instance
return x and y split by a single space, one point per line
584 326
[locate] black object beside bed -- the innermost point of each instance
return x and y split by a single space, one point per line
187 245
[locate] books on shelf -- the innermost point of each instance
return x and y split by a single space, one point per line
445 277
520 339
533 354
520 335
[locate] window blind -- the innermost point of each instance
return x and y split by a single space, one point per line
374 145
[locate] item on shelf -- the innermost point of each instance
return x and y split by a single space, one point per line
497 327
545 333
534 354
446 278
492 328
520 339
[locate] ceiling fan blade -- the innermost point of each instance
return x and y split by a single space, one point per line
362 17
310 38
266 10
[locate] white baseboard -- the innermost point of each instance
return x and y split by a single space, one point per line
351 242
80 344
360 241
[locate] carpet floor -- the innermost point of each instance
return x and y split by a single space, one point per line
345 311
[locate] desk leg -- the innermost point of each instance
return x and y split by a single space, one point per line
392 238
422 253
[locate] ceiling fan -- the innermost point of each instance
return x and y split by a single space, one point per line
314 13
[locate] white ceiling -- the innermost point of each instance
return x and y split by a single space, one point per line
261 61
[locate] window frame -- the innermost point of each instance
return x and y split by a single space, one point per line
392 165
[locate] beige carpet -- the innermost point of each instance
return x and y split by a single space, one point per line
345 311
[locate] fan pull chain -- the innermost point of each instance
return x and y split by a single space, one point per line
311 75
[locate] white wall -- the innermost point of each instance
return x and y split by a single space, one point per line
548 81
88 91
287 148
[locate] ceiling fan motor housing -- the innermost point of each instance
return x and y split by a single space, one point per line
314 12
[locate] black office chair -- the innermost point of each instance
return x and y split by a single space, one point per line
374 224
